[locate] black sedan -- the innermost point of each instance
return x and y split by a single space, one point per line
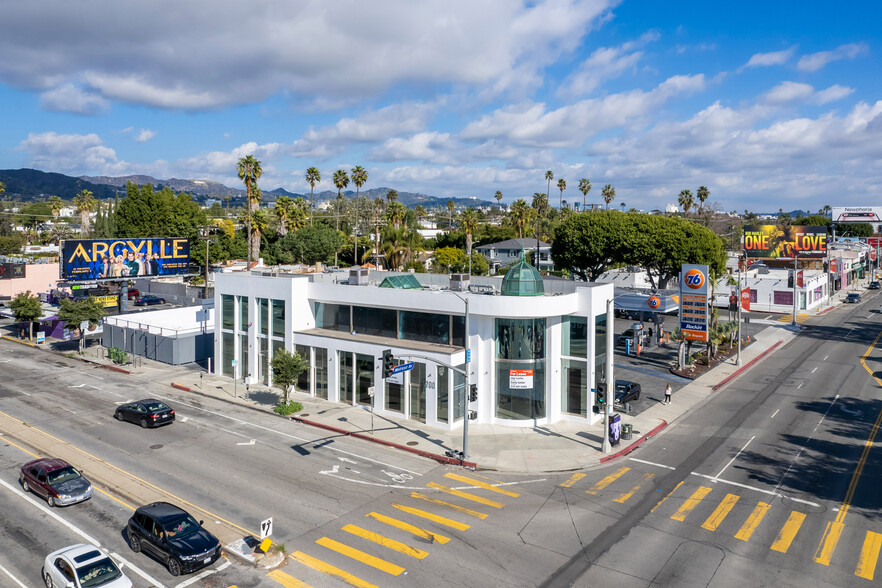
149 300
874 285
170 535
853 298
147 413
627 392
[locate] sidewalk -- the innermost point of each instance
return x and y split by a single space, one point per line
559 447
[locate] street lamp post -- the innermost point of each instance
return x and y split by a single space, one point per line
738 301
610 380
468 382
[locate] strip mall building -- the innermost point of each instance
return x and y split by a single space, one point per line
537 348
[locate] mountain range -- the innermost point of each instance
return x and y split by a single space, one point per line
34 185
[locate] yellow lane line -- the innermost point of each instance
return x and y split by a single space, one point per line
753 521
358 555
828 543
432 517
625 496
659 503
716 519
131 475
6 439
326 568
428 535
866 566
466 495
456 507
385 542
607 480
690 503
125 504
573 479
788 532
481 484
286 580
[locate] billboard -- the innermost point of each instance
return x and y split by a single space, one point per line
772 241
107 259
857 214
693 302
9 271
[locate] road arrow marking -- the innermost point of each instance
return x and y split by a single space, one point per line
346 459
80 386
333 470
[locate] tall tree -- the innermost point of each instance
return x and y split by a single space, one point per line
395 214
359 177
249 171
584 188
685 201
702 194
84 204
27 308
55 205
498 197
392 195
283 208
450 207
313 177
561 185
548 176
468 222
520 215
77 312
341 180
609 194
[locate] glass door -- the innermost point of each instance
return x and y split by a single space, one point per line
344 360
418 392
364 370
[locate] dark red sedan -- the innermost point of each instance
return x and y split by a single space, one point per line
57 481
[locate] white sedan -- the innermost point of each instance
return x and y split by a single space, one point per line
82 566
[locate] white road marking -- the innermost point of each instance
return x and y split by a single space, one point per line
195 579
96 388
800 385
25 393
80 386
658 465
249 443
807 441
333 470
14 579
137 570
184 419
46 510
774 413
346 459
825 357
814 370
717 477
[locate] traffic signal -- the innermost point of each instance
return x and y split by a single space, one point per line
473 393
388 363
600 396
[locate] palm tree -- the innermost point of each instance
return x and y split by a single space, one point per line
702 194
283 210
685 201
256 232
498 197
549 176
609 194
469 222
2 187
392 195
359 177
540 205
313 177
420 213
55 206
84 203
395 213
623 206
249 171
520 215
561 185
260 220
341 180
584 188
450 207
227 202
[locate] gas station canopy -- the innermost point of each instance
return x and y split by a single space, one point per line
663 302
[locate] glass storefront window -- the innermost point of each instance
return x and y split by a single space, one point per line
574 331
263 315
321 372
574 387
303 378
364 371
520 338
228 353
395 393
263 364
243 313
228 304
344 361
334 317
600 330
418 392
520 368
459 394
381 322
243 356
278 318
442 394
424 326
458 331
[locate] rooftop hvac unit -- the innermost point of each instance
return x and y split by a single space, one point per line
459 282
358 276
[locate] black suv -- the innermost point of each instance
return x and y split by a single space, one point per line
627 392
172 536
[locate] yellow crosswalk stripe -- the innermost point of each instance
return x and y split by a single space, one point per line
481 484
753 521
866 566
466 495
573 479
286 580
385 541
828 543
716 519
608 480
423 533
326 568
659 503
432 517
690 503
788 532
456 507
625 496
358 555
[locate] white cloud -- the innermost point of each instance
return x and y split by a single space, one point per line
67 153
833 93
816 61
604 64
72 98
773 58
797 92
145 135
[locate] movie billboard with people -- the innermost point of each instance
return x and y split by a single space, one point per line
109 259
773 241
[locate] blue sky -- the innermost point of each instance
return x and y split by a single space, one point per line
769 104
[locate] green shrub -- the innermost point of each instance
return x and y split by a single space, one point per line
289 408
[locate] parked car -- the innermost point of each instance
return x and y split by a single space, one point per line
57 481
853 298
627 391
172 536
149 300
874 285
147 413
628 335
133 293
82 566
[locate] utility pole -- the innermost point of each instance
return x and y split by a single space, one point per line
468 386
206 235
738 355
795 258
610 380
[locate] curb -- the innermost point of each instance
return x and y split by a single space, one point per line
636 443
737 372
115 369
826 310
420 452
21 342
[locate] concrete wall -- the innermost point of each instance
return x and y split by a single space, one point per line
39 277
193 348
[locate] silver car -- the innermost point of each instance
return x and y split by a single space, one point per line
82 566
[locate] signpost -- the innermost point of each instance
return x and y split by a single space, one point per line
693 302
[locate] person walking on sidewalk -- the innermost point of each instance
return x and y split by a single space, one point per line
668 392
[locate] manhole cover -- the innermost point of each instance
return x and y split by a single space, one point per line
156 447
305 415
413 442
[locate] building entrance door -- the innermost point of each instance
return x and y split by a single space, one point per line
418 392
364 372
344 359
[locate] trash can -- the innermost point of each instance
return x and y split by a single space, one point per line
626 431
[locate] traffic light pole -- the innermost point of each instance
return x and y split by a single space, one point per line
468 387
610 380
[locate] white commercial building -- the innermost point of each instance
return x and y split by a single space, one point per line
535 355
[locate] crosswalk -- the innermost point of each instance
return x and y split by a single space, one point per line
715 510
392 535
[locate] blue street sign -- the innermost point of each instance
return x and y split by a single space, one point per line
405 367
468 355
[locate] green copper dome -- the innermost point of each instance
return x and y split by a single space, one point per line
522 279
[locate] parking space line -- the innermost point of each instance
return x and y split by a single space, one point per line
14 579
75 529
204 574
